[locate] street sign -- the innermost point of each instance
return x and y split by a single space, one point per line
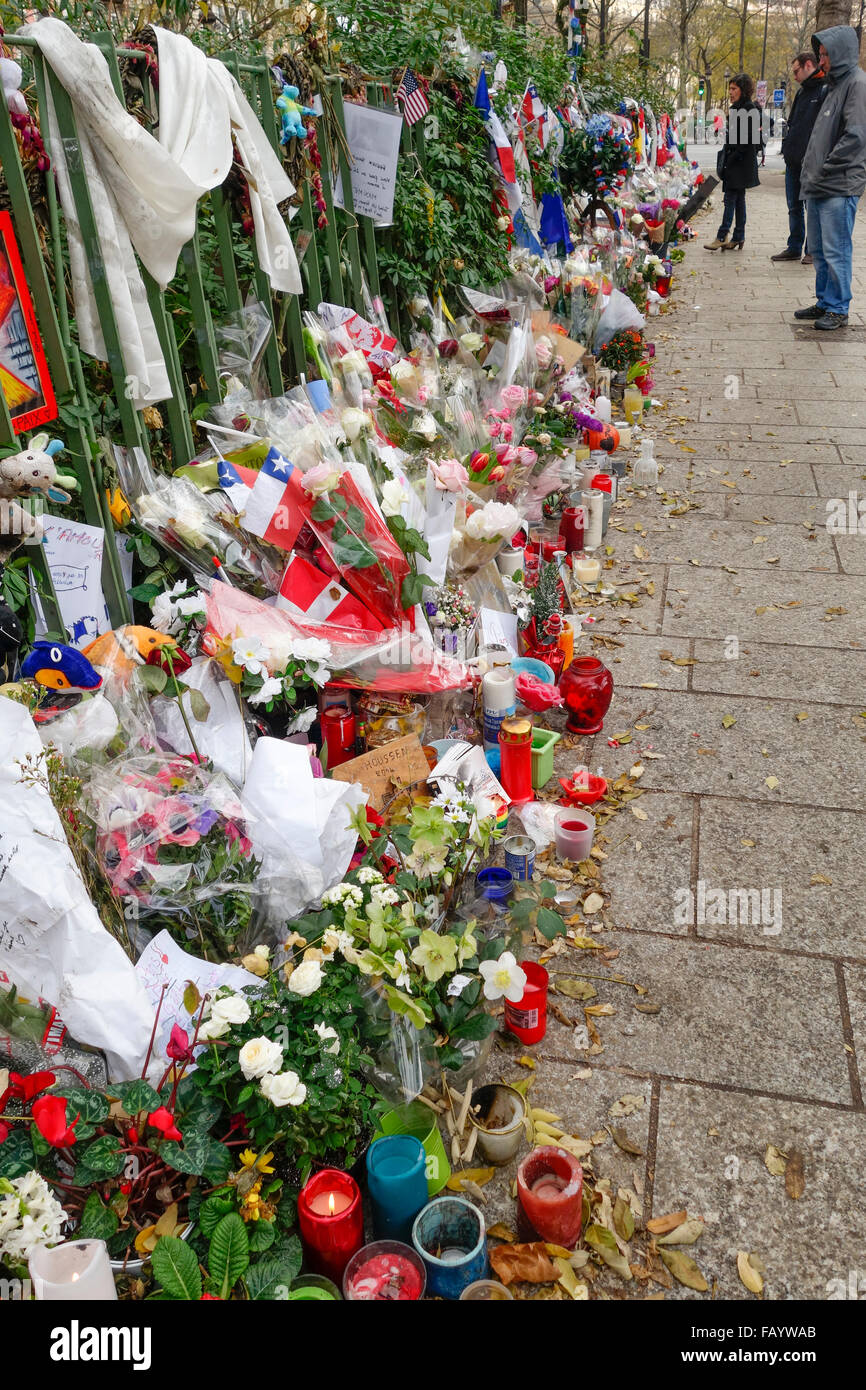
761 93
779 96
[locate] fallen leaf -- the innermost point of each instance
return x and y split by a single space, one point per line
622 1141
502 1232
638 813
600 1010
728 721
816 879
623 1217
684 1270
748 1274
684 1234
771 782
585 943
527 1062
627 1105
529 1263
477 1175
569 1280
803 714
574 989
795 1178
648 1007
660 1225
593 902
775 1160
604 1243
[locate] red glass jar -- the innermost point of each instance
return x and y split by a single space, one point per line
550 1196
587 689
515 749
338 733
572 527
331 1221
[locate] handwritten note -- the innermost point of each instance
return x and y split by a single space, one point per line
373 136
74 554
385 770
162 962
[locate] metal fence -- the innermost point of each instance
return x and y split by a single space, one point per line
335 263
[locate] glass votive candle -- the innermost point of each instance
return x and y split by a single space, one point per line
450 1236
76 1269
571 528
396 1184
526 1018
632 404
331 1221
387 1271
574 831
550 1196
587 569
488 1291
314 1288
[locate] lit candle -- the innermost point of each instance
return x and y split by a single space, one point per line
77 1269
331 1221
588 569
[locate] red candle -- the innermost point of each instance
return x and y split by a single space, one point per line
331 1221
572 527
385 1278
550 1196
515 747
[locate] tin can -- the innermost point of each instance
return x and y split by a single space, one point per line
520 857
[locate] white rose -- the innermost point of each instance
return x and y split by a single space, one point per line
213 1028
325 1033
232 1007
392 497
426 426
285 1089
355 422
259 1056
305 979
311 649
403 371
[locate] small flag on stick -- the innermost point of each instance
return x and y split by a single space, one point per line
411 94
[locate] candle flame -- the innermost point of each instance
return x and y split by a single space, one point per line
330 1204
75 1276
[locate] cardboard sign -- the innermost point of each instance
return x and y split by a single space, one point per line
566 348
386 770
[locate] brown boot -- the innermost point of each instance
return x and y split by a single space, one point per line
717 244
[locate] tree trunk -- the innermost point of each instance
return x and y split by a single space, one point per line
683 53
832 12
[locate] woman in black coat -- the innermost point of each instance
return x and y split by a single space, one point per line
737 163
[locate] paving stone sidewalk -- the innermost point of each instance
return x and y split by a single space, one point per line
761 1034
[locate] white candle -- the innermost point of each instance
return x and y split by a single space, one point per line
77 1269
601 409
587 569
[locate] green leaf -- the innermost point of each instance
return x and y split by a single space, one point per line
322 510
262 1235
153 678
493 948
176 1267
550 924
138 1095
413 588
98 1222
276 1271
91 1106
103 1157
355 518
475 1028
229 1254
199 705
351 552
212 1211
16 1155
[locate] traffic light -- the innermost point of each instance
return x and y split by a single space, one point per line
702 89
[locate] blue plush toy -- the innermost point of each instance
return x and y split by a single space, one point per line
291 113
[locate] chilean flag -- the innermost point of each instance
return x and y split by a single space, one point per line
307 593
532 108
277 506
232 484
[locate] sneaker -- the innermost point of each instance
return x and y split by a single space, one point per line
786 256
827 322
807 259
815 311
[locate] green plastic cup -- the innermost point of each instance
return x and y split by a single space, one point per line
417 1120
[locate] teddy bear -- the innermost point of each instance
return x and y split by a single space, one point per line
29 473
291 113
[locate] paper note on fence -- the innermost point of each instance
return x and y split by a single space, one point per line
373 137
74 554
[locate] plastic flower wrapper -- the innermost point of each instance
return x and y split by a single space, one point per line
241 339
386 660
171 838
194 526
480 535
283 672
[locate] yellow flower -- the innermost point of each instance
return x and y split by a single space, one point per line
252 1160
121 512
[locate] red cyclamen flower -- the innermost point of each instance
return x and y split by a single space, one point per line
163 1120
49 1115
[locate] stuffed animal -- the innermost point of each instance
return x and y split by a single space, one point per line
58 667
125 648
29 473
291 113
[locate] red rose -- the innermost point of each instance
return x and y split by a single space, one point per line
449 347
49 1116
169 659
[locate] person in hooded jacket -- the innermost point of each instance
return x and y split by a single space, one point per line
833 175
804 112
737 162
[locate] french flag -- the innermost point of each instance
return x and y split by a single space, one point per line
277 506
504 152
307 593
533 110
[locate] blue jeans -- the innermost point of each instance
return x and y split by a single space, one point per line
831 226
796 210
735 206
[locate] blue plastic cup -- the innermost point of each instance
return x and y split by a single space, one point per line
397 1185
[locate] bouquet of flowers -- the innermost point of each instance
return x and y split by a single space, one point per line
597 159
30 1216
452 614
170 839
277 675
485 530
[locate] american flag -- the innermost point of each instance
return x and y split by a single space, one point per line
415 103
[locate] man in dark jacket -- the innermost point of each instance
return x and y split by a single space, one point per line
833 174
813 89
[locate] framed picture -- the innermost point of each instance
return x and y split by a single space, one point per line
24 375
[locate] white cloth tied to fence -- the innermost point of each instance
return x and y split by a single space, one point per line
144 190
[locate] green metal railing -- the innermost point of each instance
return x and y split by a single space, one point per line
335 264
